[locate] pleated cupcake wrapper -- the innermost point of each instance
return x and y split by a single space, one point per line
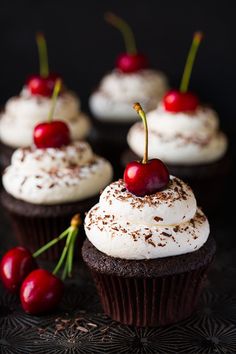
150 301
34 232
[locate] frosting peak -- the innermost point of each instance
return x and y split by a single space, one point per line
181 138
22 113
117 91
164 224
56 175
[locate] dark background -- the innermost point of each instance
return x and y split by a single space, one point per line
82 47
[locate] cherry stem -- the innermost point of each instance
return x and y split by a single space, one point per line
68 251
50 244
197 38
55 93
125 29
43 54
138 108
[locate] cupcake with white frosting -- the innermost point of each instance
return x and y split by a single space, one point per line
24 111
148 255
131 80
186 135
44 188
47 183
148 245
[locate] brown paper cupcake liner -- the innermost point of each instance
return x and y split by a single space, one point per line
150 302
154 292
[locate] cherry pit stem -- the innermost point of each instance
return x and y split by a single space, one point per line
67 255
197 38
55 94
138 108
125 29
43 54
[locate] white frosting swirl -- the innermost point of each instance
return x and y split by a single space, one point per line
118 91
180 138
164 224
56 175
22 113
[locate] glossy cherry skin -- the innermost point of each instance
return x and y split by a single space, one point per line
15 265
129 63
176 101
40 292
54 134
145 179
42 86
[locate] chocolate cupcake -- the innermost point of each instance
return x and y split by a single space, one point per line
44 188
149 256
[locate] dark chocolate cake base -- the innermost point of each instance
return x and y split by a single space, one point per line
208 181
34 225
154 292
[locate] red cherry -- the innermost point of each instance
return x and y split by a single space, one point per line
42 86
129 63
53 134
40 292
15 265
146 178
176 101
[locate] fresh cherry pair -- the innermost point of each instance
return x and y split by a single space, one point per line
40 290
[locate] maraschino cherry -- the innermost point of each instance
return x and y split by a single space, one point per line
131 61
40 290
15 265
42 84
149 176
54 133
183 100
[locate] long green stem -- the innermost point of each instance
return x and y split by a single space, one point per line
50 244
190 61
125 29
43 54
64 253
71 253
141 113
55 94
68 251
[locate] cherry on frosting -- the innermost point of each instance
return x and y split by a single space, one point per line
149 176
182 100
130 61
52 134
42 84
176 101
